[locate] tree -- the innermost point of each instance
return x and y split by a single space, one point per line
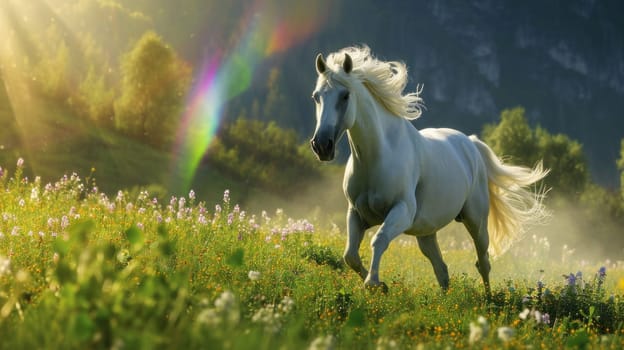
154 84
514 138
569 170
96 98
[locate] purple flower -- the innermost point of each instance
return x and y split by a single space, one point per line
571 280
602 272
191 195
546 318
230 218
64 222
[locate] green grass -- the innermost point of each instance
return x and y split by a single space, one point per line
79 269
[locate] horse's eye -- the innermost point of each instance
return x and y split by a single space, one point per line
345 97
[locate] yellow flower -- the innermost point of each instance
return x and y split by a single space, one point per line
621 284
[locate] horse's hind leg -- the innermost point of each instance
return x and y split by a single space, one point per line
430 248
475 218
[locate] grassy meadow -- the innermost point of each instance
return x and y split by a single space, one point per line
80 269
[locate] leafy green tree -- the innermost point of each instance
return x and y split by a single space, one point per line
52 72
564 156
514 138
97 98
154 84
263 155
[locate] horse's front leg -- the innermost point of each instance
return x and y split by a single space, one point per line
355 229
398 220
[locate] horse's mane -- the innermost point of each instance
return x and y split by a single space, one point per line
384 80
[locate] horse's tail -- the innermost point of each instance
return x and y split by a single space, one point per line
513 201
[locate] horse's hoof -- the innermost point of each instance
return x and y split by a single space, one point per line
383 287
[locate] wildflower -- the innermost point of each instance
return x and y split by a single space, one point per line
384 343
478 330
15 231
5 265
22 202
226 196
268 318
253 275
602 272
286 305
570 280
202 219
540 285
34 194
64 222
217 209
120 196
230 218
191 195
20 162
225 301
524 314
141 211
322 343
546 318
140 225
505 333
1 172
209 317
538 316
620 284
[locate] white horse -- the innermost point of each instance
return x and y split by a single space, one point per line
411 181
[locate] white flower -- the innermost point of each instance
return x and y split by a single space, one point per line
254 275
5 265
322 343
524 314
384 343
538 316
478 330
225 301
286 305
505 333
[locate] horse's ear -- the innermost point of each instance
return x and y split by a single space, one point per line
347 65
321 67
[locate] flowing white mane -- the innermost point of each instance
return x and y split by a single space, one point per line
384 80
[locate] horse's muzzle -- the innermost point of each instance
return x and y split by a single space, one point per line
324 149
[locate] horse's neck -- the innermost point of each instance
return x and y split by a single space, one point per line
374 125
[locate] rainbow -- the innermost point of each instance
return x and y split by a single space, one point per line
268 28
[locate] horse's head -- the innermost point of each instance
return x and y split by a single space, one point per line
334 111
